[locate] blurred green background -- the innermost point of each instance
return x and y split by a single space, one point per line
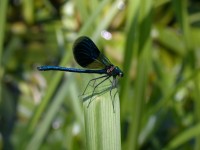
155 42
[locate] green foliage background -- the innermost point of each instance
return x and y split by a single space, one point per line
155 42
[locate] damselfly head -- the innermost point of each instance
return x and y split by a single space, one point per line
118 72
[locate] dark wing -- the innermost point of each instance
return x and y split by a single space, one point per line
88 55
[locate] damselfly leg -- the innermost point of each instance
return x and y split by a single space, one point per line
96 87
93 80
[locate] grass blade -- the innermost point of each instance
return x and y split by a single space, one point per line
102 123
